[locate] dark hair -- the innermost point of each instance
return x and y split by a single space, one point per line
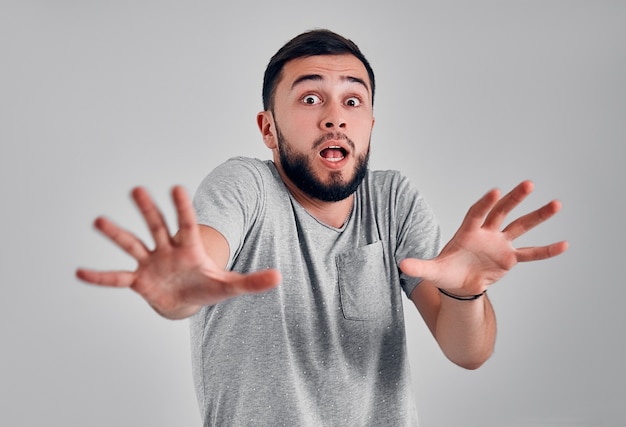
310 43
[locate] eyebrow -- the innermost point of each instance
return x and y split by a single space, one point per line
318 77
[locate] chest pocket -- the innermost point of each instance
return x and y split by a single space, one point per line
364 290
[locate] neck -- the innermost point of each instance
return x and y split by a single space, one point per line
334 214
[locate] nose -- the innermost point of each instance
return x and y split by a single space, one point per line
333 117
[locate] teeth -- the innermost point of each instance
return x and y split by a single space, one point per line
335 147
332 158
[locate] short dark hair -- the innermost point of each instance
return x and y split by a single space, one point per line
310 43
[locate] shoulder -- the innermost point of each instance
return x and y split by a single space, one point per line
389 183
385 176
392 193
240 181
242 165
239 172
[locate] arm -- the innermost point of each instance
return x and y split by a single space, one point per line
182 273
465 330
477 256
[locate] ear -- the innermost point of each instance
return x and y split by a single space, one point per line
265 122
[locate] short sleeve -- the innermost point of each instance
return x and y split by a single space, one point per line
229 199
418 232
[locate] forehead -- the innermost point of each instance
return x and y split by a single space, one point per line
327 67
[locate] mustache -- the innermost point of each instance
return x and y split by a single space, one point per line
335 136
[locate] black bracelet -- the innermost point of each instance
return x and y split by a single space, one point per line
456 297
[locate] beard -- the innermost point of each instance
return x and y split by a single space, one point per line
298 169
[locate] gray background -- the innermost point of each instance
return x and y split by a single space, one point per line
96 97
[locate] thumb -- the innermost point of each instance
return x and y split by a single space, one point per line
261 281
426 269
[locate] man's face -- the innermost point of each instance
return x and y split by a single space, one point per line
299 168
321 124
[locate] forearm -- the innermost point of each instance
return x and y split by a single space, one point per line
466 330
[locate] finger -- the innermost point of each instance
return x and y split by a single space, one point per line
476 213
426 269
127 241
117 279
233 284
541 252
153 216
187 224
531 220
259 281
506 204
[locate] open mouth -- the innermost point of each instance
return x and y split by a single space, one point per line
334 153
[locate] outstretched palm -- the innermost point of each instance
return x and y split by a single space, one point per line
178 276
480 253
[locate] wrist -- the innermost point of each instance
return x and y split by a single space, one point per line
462 297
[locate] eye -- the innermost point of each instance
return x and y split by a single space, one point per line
353 102
311 99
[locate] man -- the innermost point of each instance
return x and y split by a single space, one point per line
293 270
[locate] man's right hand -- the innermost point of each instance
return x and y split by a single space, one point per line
183 272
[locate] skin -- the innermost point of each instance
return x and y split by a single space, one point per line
315 97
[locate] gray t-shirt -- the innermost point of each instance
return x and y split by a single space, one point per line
327 346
